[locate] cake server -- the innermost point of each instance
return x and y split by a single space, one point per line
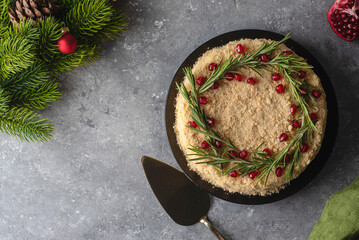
183 201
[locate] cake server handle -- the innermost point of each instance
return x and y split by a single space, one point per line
209 225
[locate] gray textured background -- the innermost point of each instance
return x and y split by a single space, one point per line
88 183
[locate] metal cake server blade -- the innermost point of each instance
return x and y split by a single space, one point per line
183 201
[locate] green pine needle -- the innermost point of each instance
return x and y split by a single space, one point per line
16 54
25 125
29 79
4 101
94 21
84 54
38 99
50 31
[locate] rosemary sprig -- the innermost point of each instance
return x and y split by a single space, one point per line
284 64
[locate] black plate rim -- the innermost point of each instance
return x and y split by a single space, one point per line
314 167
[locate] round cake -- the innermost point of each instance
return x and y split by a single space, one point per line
256 110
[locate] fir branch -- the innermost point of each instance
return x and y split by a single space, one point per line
84 54
16 54
4 101
4 13
40 98
50 31
67 5
88 18
25 125
114 28
29 79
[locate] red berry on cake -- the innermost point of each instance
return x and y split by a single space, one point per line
302 74
267 151
233 174
276 76
304 148
192 124
203 100
229 76
218 144
288 158
233 154
296 124
251 81
240 49
316 93
313 117
283 137
293 109
205 145
201 80
279 171
286 53
279 88
215 86
253 175
303 91
264 58
238 77
211 121
243 154
212 67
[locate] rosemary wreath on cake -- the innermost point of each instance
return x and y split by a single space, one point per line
218 151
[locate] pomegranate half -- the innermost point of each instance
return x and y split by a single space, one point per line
343 18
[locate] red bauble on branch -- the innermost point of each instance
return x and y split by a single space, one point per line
67 43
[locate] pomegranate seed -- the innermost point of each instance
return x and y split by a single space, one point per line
302 74
238 77
287 158
243 154
303 91
212 67
229 76
286 53
240 48
232 154
293 109
253 175
283 137
316 93
203 100
280 88
205 145
218 144
192 124
276 76
313 117
201 81
267 151
279 171
233 174
211 121
265 58
296 124
251 81
215 86
304 148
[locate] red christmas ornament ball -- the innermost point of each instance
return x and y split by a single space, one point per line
67 43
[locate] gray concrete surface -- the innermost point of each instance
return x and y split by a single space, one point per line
88 183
